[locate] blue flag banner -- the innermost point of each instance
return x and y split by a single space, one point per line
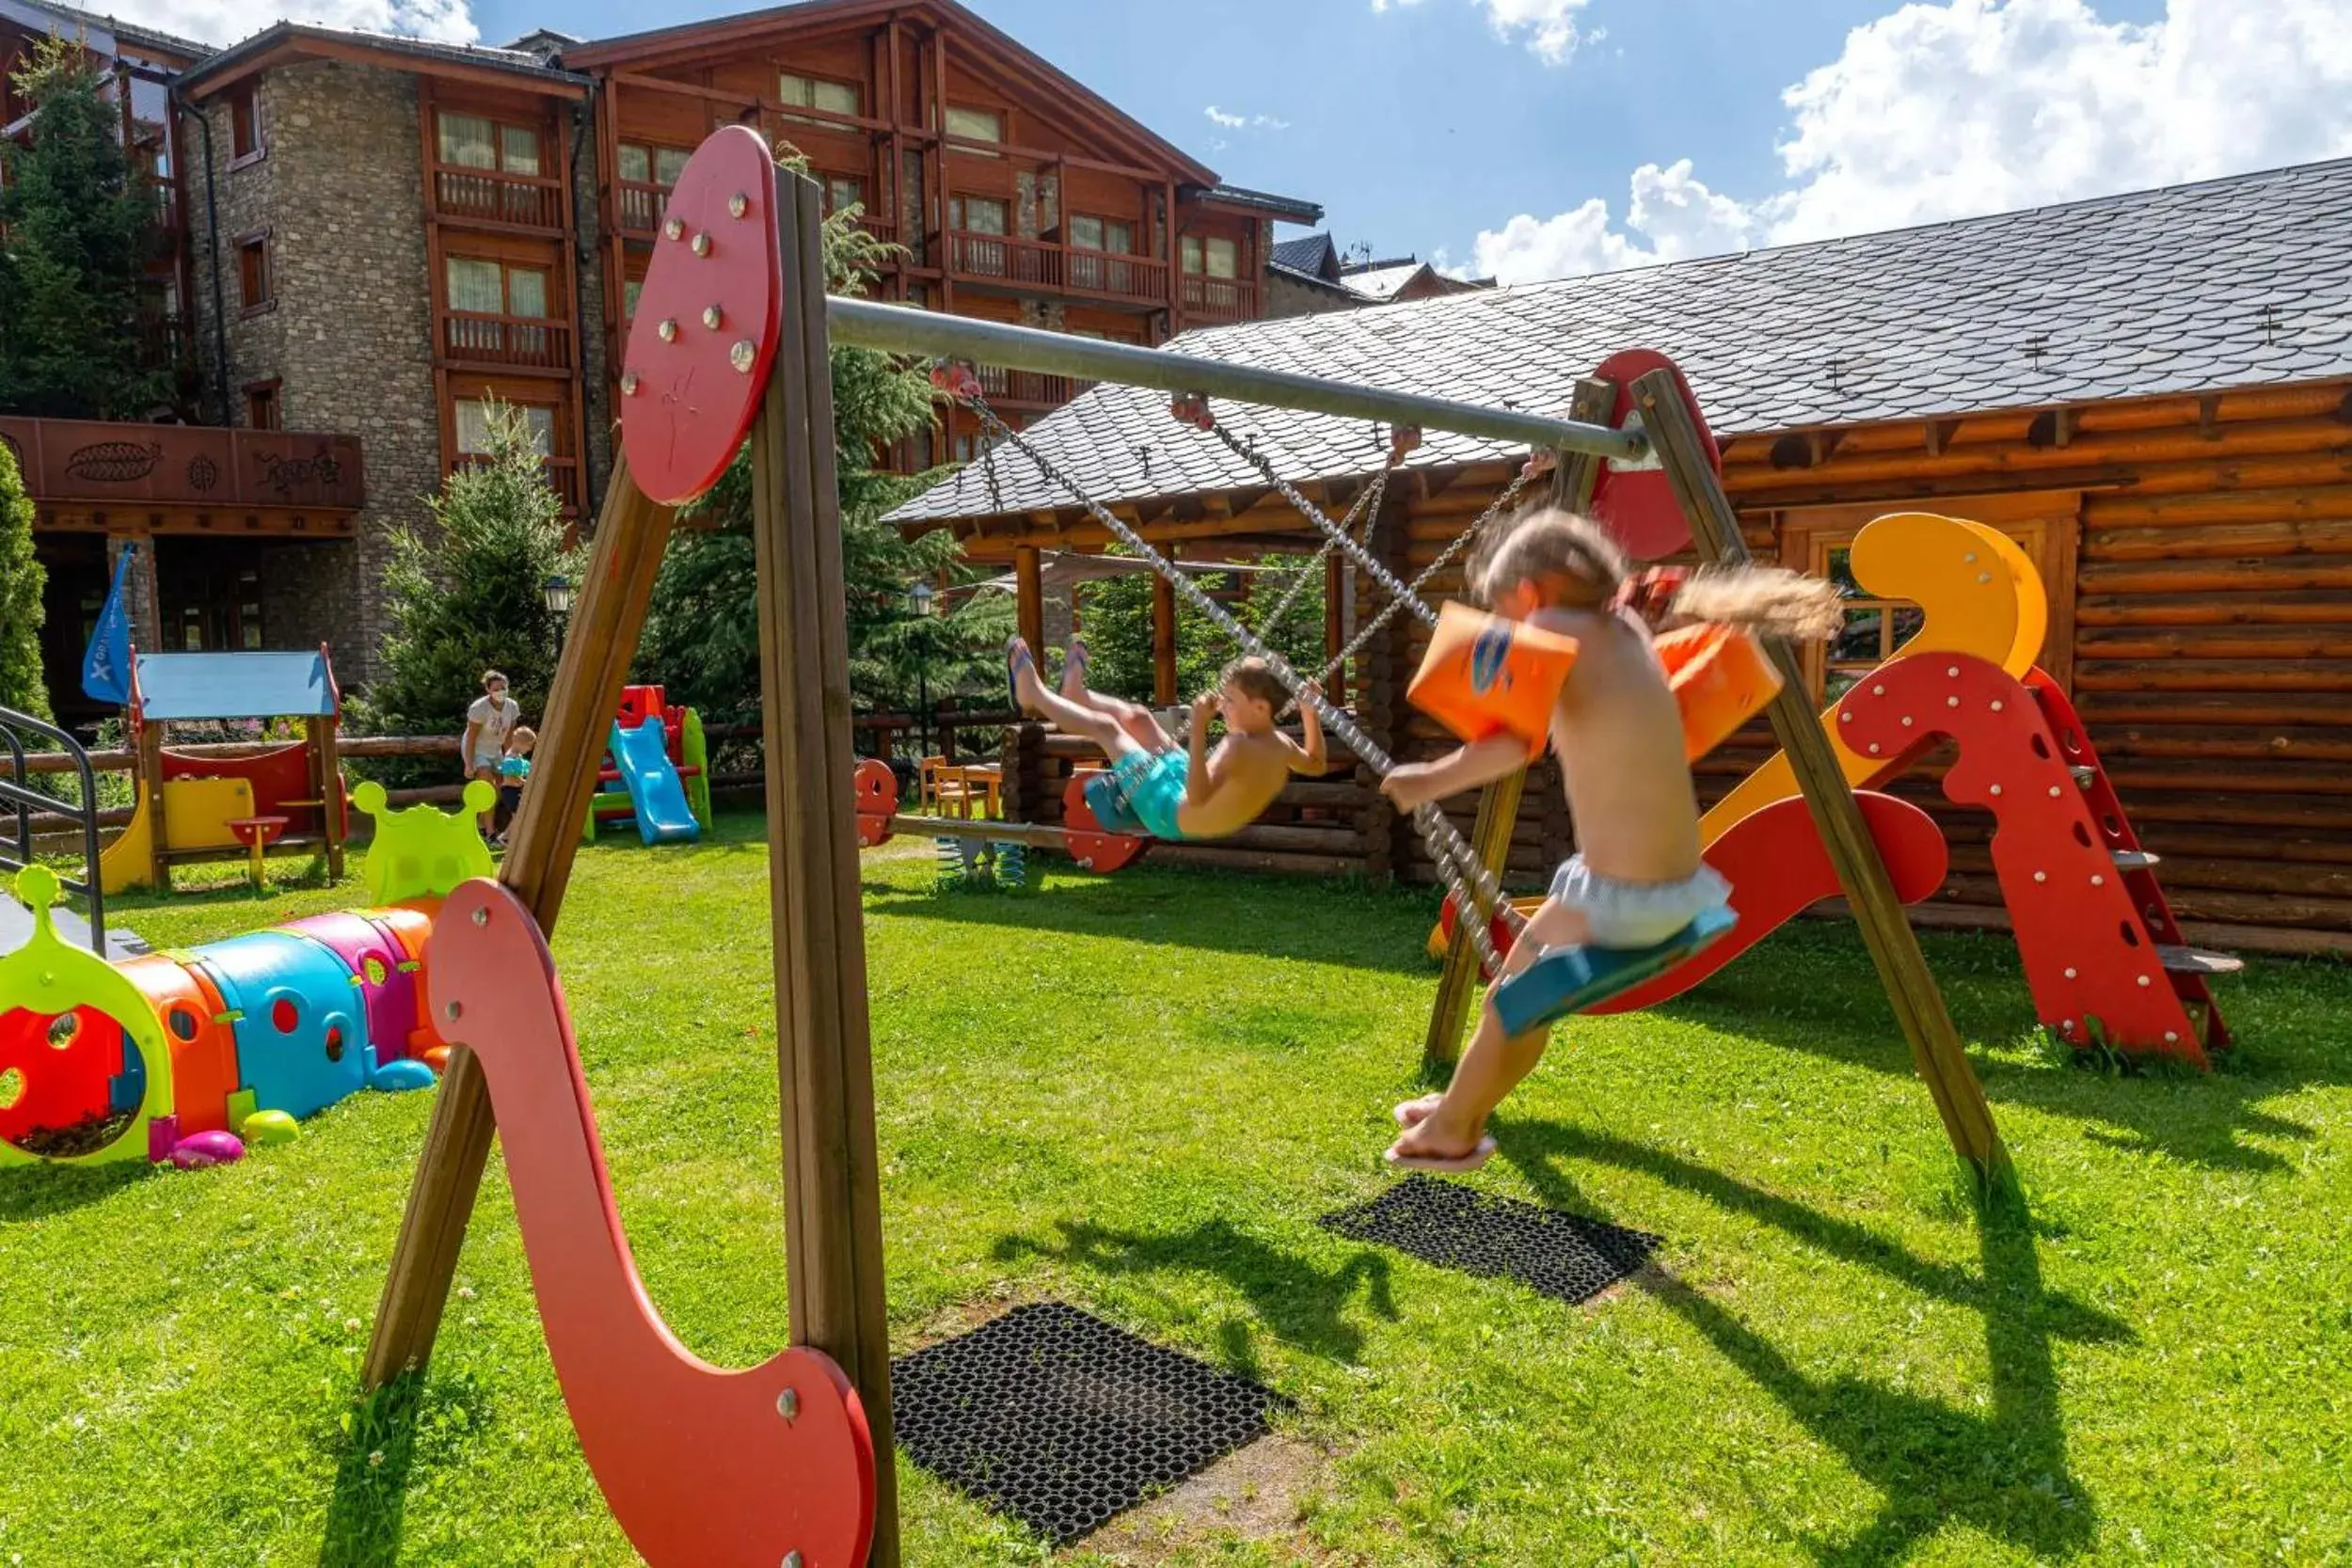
107 669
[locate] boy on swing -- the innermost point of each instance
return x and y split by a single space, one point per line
1188 791
1618 730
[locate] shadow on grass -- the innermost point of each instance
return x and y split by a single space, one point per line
2003 1473
388 1432
1840 1015
1299 1304
37 1192
363 1519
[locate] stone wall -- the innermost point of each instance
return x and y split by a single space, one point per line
348 334
1286 296
244 199
310 595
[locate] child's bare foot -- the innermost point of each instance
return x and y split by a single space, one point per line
1076 661
1427 1146
1021 674
1412 1113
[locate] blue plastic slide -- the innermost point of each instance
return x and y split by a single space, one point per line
655 790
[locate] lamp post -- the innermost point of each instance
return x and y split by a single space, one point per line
920 600
557 591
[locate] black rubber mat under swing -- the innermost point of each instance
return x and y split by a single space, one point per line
1556 1254
1062 1421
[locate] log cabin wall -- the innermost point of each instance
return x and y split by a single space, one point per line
2197 555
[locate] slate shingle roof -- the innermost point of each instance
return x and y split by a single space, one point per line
1312 254
2192 288
519 61
1381 279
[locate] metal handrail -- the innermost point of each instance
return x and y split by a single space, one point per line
24 801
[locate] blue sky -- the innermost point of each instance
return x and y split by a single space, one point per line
1533 138
1419 126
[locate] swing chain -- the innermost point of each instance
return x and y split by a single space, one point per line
1473 887
1500 505
1367 508
1365 561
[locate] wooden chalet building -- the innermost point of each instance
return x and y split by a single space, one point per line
374 237
2151 394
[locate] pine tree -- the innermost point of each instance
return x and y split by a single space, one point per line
1117 617
22 686
472 596
80 229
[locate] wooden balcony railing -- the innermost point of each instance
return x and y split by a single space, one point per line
1002 259
638 206
1027 388
88 462
1128 277
533 342
1055 268
1224 299
486 195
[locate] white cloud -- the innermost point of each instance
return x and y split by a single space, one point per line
224 22
1243 123
1548 27
1951 110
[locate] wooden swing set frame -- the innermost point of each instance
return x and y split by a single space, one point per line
834 1248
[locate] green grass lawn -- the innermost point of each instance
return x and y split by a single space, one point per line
1136 1095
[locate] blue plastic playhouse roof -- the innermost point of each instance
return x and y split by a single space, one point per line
235 686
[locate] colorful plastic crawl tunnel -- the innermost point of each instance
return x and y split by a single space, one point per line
235 1041
69 1025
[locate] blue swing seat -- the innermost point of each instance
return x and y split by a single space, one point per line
1571 979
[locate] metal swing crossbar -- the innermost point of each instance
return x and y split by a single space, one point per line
905 330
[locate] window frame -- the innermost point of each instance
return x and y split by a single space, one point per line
249 127
1194 249
269 395
2045 524
826 177
1107 224
1002 119
507 268
794 110
256 244
498 127
960 217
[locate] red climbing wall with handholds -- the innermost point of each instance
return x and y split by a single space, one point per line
702 1466
1778 868
2090 957
705 332
2137 866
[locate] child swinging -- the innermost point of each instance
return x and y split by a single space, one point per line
1619 732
